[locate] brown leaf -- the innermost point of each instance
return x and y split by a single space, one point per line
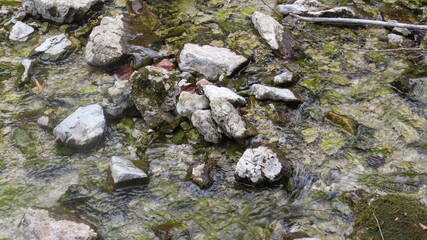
424 227
166 64
39 86
124 72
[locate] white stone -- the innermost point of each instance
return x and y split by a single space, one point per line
38 224
284 78
301 6
395 39
106 42
28 70
123 170
202 120
262 92
259 165
20 32
190 102
59 10
213 92
54 48
209 61
268 28
83 129
228 118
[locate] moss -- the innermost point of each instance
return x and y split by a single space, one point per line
398 216
347 123
25 141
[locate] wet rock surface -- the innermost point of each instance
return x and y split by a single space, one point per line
117 100
213 93
83 129
209 61
20 32
203 121
262 166
60 10
202 175
262 92
228 118
106 42
55 48
124 171
25 70
38 224
188 103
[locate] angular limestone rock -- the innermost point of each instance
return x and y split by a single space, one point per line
227 117
262 166
83 129
213 92
202 120
20 32
209 61
262 92
55 48
117 100
191 102
201 174
106 43
123 170
25 71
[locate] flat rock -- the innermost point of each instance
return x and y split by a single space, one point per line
262 92
55 48
284 78
38 224
83 129
123 170
20 32
301 6
261 166
209 61
117 100
60 11
213 92
202 175
106 43
190 102
202 120
274 33
228 118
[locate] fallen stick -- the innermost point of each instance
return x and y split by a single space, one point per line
360 22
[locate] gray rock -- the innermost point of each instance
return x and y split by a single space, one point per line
154 92
394 39
202 120
83 129
59 10
55 48
286 77
301 6
106 43
123 170
262 92
227 117
261 166
20 32
403 31
117 100
45 121
213 92
209 61
202 174
274 33
38 224
25 72
190 102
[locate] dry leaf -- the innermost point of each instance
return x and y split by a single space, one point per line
39 86
424 227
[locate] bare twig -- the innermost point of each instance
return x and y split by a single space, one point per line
360 22
379 227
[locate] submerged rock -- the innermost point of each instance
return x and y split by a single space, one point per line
25 141
202 175
285 78
227 117
262 92
262 166
154 93
55 48
274 33
118 102
60 10
83 129
106 43
25 72
39 224
375 160
209 61
123 170
20 32
348 124
202 120
301 6
45 121
190 102
214 92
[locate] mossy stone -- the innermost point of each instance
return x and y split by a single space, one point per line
347 123
25 141
399 217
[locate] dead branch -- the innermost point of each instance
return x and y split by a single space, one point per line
358 21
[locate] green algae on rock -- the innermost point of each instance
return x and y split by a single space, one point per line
347 123
25 141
